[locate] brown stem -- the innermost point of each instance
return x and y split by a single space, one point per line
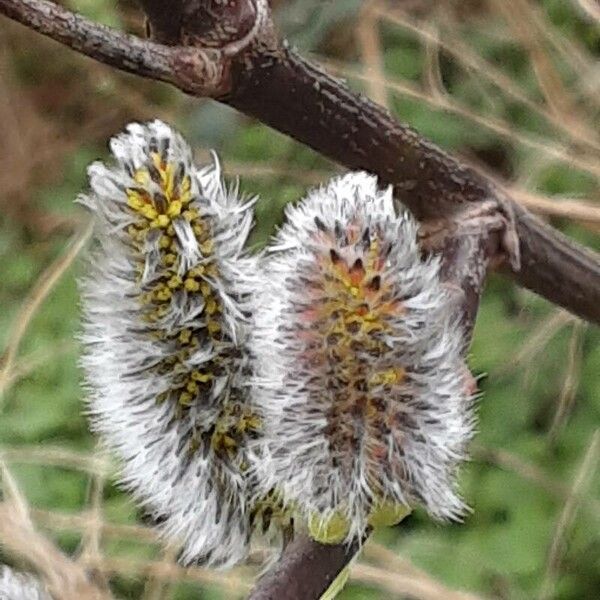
114 48
198 71
304 571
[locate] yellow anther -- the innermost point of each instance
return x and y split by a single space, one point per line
142 177
205 288
185 335
211 306
163 294
197 229
171 230
134 200
174 209
162 221
197 271
175 282
388 377
229 442
185 398
192 387
191 285
190 214
186 185
201 377
212 270
169 180
207 247
213 327
169 259
162 311
165 242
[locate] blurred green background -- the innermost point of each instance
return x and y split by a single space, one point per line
515 91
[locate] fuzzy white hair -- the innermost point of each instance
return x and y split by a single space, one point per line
20 586
359 376
166 303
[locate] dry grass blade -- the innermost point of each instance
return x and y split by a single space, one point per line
91 555
584 65
529 472
156 588
370 48
65 579
519 15
57 521
571 382
57 457
389 560
35 299
580 484
33 361
233 583
406 585
537 341
576 210
461 52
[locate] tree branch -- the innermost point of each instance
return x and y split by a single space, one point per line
304 571
114 48
245 66
198 71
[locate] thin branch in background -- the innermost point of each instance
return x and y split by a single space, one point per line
233 583
64 578
571 382
476 64
78 523
574 54
90 552
49 456
581 483
537 341
519 17
585 212
42 288
367 26
433 81
156 588
30 363
406 586
416 582
510 462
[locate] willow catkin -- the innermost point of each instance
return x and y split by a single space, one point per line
166 305
366 405
21 586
